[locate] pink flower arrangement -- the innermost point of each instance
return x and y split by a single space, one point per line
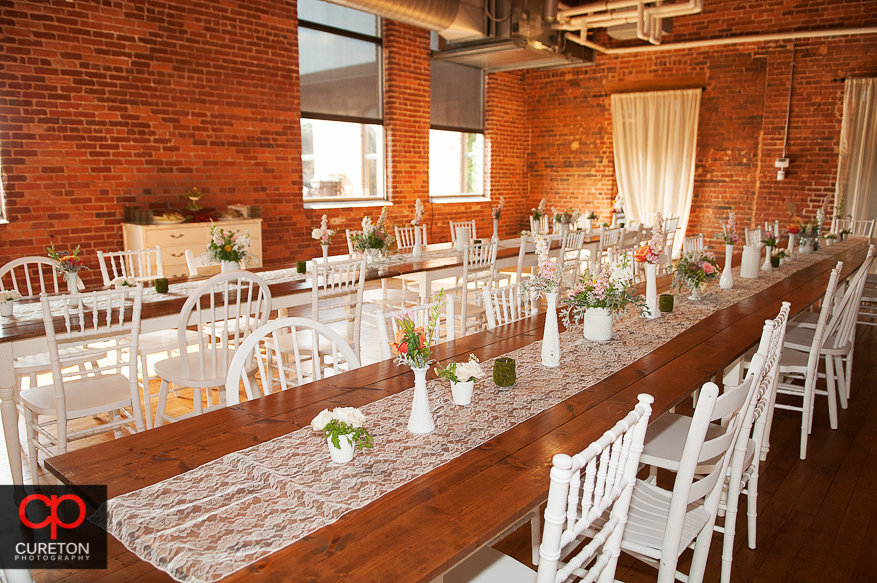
323 234
496 211
418 213
729 230
695 268
651 252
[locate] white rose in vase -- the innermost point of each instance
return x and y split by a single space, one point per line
350 415
321 420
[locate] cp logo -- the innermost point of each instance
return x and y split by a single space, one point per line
52 520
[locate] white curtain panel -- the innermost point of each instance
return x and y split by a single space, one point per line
655 136
857 161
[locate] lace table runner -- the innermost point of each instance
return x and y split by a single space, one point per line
231 512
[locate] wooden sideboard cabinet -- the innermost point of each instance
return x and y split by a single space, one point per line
175 239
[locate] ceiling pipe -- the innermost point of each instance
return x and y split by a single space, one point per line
649 19
755 38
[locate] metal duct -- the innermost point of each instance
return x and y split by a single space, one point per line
438 15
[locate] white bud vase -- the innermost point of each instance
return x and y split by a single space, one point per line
325 253
766 266
6 308
495 230
421 417
227 266
791 248
72 286
417 252
727 279
651 270
551 335
342 454
598 324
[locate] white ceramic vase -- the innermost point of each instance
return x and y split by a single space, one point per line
805 247
750 261
495 230
727 279
551 335
72 286
6 308
462 238
372 256
462 392
417 251
421 417
343 454
325 253
652 290
588 225
227 266
598 324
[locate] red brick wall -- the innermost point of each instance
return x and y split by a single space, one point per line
110 104
742 115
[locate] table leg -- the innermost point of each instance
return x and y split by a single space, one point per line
10 413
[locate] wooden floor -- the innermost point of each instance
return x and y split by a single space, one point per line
816 518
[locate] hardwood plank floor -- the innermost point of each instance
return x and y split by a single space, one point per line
817 519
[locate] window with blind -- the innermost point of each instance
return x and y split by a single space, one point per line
341 102
456 135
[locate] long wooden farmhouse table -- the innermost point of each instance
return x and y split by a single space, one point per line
419 530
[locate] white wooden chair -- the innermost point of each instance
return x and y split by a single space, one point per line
405 237
754 237
541 226
336 296
479 272
349 234
569 257
863 228
838 342
145 265
524 260
195 264
457 224
671 225
96 318
265 342
693 244
575 504
610 240
31 276
420 316
662 524
228 306
141 264
507 304
798 370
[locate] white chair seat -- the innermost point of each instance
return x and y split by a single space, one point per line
39 363
163 341
647 521
472 310
490 565
88 396
305 343
794 361
798 338
171 370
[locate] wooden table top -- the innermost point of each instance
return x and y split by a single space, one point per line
425 527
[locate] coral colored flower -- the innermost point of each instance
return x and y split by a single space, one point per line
642 253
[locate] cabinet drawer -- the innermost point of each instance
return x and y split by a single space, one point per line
184 234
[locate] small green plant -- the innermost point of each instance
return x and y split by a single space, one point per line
360 436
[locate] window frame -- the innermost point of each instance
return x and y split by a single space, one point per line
381 155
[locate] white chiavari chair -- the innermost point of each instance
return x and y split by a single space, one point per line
405 237
479 272
671 225
142 265
541 226
610 239
459 224
90 319
584 488
228 307
862 227
693 244
754 237
445 330
798 370
507 304
301 368
569 257
195 264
